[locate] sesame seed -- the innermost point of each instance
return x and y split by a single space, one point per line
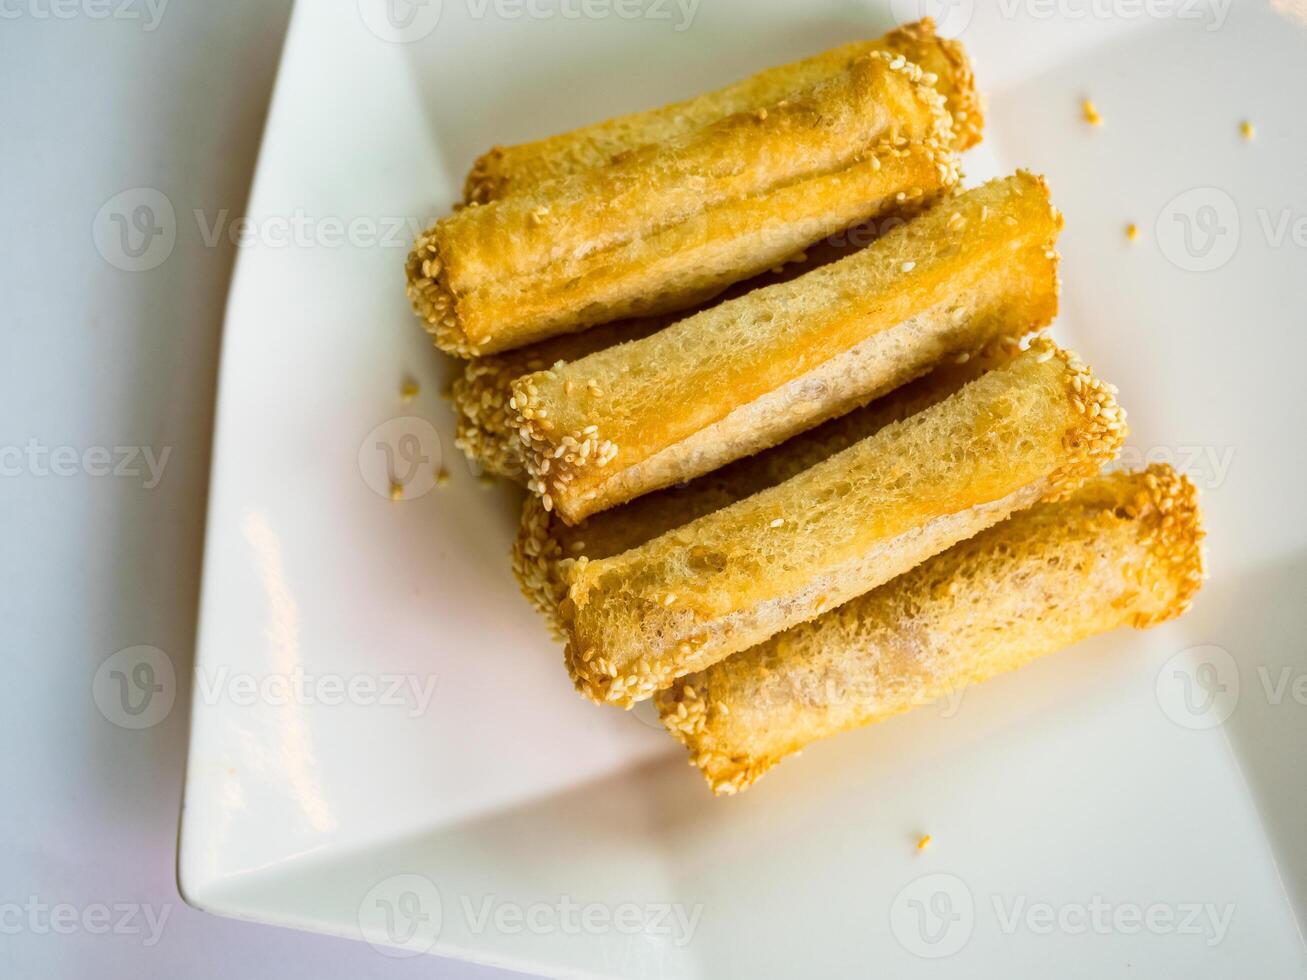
780 521
908 266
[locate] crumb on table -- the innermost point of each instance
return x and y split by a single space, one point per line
396 491
1246 130
924 842
1091 113
408 391
1132 231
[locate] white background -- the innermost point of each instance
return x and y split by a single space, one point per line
93 356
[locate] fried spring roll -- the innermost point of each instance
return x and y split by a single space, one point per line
516 169
485 428
1033 429
749 373
673 223
484 424
546 547
1125 550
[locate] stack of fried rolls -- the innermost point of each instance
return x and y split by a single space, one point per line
662 225
1123 550
797 455
748 373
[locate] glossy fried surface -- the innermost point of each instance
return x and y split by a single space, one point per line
1033 429
747 374
1125 550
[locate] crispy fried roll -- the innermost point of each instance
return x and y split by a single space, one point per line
673 223
1125 550
485 426
515 169
749 373
546 547
1033 429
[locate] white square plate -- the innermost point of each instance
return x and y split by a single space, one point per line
1129 808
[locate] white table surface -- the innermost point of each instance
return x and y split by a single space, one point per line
93 356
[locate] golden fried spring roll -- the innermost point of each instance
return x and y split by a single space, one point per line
485 427
546 547
1125 550
484 424
673 223
749 373
1033 429
516 169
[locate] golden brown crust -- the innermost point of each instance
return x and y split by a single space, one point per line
671 224
514 169
1102 429
947 60
546 546
1123 550
747 374
485 426
1034 428
1164 504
